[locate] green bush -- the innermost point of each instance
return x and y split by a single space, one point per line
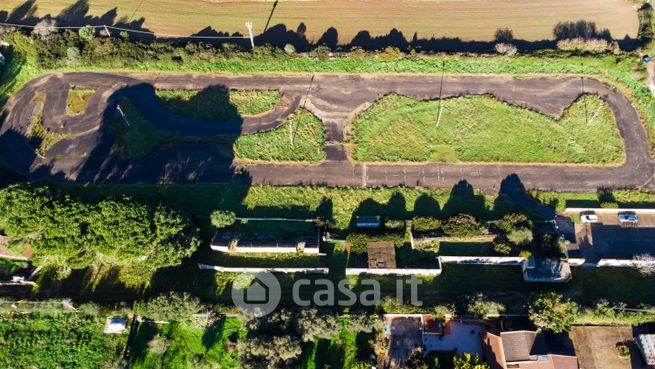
520 236
64 230
358 243
551 311
609 205
502 248
513 220
426 224
394 223
171 307
481 307
223 218
462 225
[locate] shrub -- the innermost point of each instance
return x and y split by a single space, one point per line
520 236
511 221
551 311
223 218
461 225
170 307
609 205
390 53
481 307
87 33
323 53
394 223
124 35
289 49
358 243
525 254
506 49
45 28
73 55
594 45
426 224
502 248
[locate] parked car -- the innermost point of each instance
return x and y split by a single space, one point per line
628 218
589 218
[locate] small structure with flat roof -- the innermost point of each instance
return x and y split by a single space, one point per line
646 344
115 325
381 255
368 221
546 270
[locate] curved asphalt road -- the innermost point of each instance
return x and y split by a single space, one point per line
88 156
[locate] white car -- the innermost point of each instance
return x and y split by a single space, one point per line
589 218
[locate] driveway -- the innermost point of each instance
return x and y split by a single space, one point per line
89 156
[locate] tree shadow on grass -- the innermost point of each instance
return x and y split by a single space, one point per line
212 335
464 199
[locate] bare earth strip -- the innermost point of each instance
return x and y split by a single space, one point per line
465 19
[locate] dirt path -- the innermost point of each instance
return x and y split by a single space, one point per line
89 157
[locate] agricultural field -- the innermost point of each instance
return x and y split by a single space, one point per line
482 129
467 20
61 340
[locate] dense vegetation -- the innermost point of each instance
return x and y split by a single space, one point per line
398 128
54 341
65 231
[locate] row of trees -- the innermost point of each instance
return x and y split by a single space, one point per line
64 230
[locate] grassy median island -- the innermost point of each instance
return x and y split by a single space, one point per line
300 138
77 99
483 129
219 104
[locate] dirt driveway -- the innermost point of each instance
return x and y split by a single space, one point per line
595 347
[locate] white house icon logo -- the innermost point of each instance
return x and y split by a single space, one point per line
258 298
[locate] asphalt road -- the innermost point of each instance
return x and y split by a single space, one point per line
88 155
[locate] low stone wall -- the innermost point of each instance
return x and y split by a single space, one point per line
360 271
482 260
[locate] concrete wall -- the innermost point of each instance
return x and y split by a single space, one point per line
359 271
482 260
261 270
266 249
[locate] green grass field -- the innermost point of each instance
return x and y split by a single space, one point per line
219 104
180 346
482 129
300 138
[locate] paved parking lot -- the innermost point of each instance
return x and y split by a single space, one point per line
608 239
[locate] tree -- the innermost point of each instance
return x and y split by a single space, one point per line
645 264
461 225
313 325
468 361
521 236
425 224
223 218
481 307
87 33
551 311
65 231
269 352
171 307
45 28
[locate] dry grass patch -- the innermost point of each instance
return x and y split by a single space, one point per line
77 99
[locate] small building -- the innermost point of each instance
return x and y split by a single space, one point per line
546 270
522 350
646 344
381 255
115 325
368 221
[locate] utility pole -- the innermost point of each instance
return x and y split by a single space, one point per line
443 67
252 40
118 108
